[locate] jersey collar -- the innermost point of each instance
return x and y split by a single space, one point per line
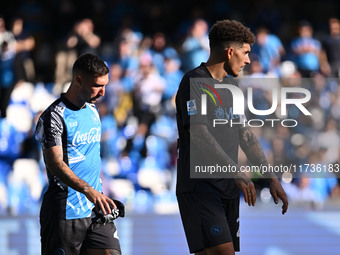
69 104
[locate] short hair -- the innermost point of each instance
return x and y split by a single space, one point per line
226 32
91 65
333 20
305 23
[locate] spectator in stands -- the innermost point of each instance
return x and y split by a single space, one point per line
172 75
7 76
147 94
81 40
6 35
25 44
329 142
331 47
84 39
114 89
127 52
159 50
9 151
108 148
269 49
306 50
195 48
117 97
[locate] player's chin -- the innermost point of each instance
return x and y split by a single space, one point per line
94 100
235 74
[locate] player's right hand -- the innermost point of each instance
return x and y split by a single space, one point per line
248 189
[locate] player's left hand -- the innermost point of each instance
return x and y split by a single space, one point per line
277 193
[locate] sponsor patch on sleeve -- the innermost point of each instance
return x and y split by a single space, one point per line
191 107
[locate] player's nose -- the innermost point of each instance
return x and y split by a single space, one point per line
247 60
102 91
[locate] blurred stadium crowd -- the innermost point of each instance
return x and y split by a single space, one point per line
148 48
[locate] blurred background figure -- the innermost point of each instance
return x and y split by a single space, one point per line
115 88
172 76
312 191
329 143
9 151
81 39
8 76
6 35
127 49
306 50
331 48
25 44
117 97
269 50
195 48
159 51
147 96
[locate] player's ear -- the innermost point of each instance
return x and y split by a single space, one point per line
78 80
229 52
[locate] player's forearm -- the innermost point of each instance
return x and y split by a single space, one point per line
57 167
67 176
253 149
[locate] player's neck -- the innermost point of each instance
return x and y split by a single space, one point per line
74 98
216 69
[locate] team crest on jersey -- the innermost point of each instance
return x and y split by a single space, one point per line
191 107
95 119
73 124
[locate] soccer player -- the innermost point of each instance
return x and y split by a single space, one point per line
69 131
209 207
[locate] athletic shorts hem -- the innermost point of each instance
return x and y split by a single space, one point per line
194 250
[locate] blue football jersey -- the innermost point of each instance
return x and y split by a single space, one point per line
78 131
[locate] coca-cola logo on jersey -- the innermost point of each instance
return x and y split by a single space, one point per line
90 137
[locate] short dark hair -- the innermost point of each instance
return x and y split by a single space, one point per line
89 64
226 32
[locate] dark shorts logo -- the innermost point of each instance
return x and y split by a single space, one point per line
59 251
216 230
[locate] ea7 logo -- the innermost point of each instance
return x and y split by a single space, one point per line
238 100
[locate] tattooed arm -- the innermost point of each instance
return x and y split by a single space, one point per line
253 150
201 137
56 166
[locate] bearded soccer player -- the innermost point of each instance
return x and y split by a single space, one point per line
70 132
